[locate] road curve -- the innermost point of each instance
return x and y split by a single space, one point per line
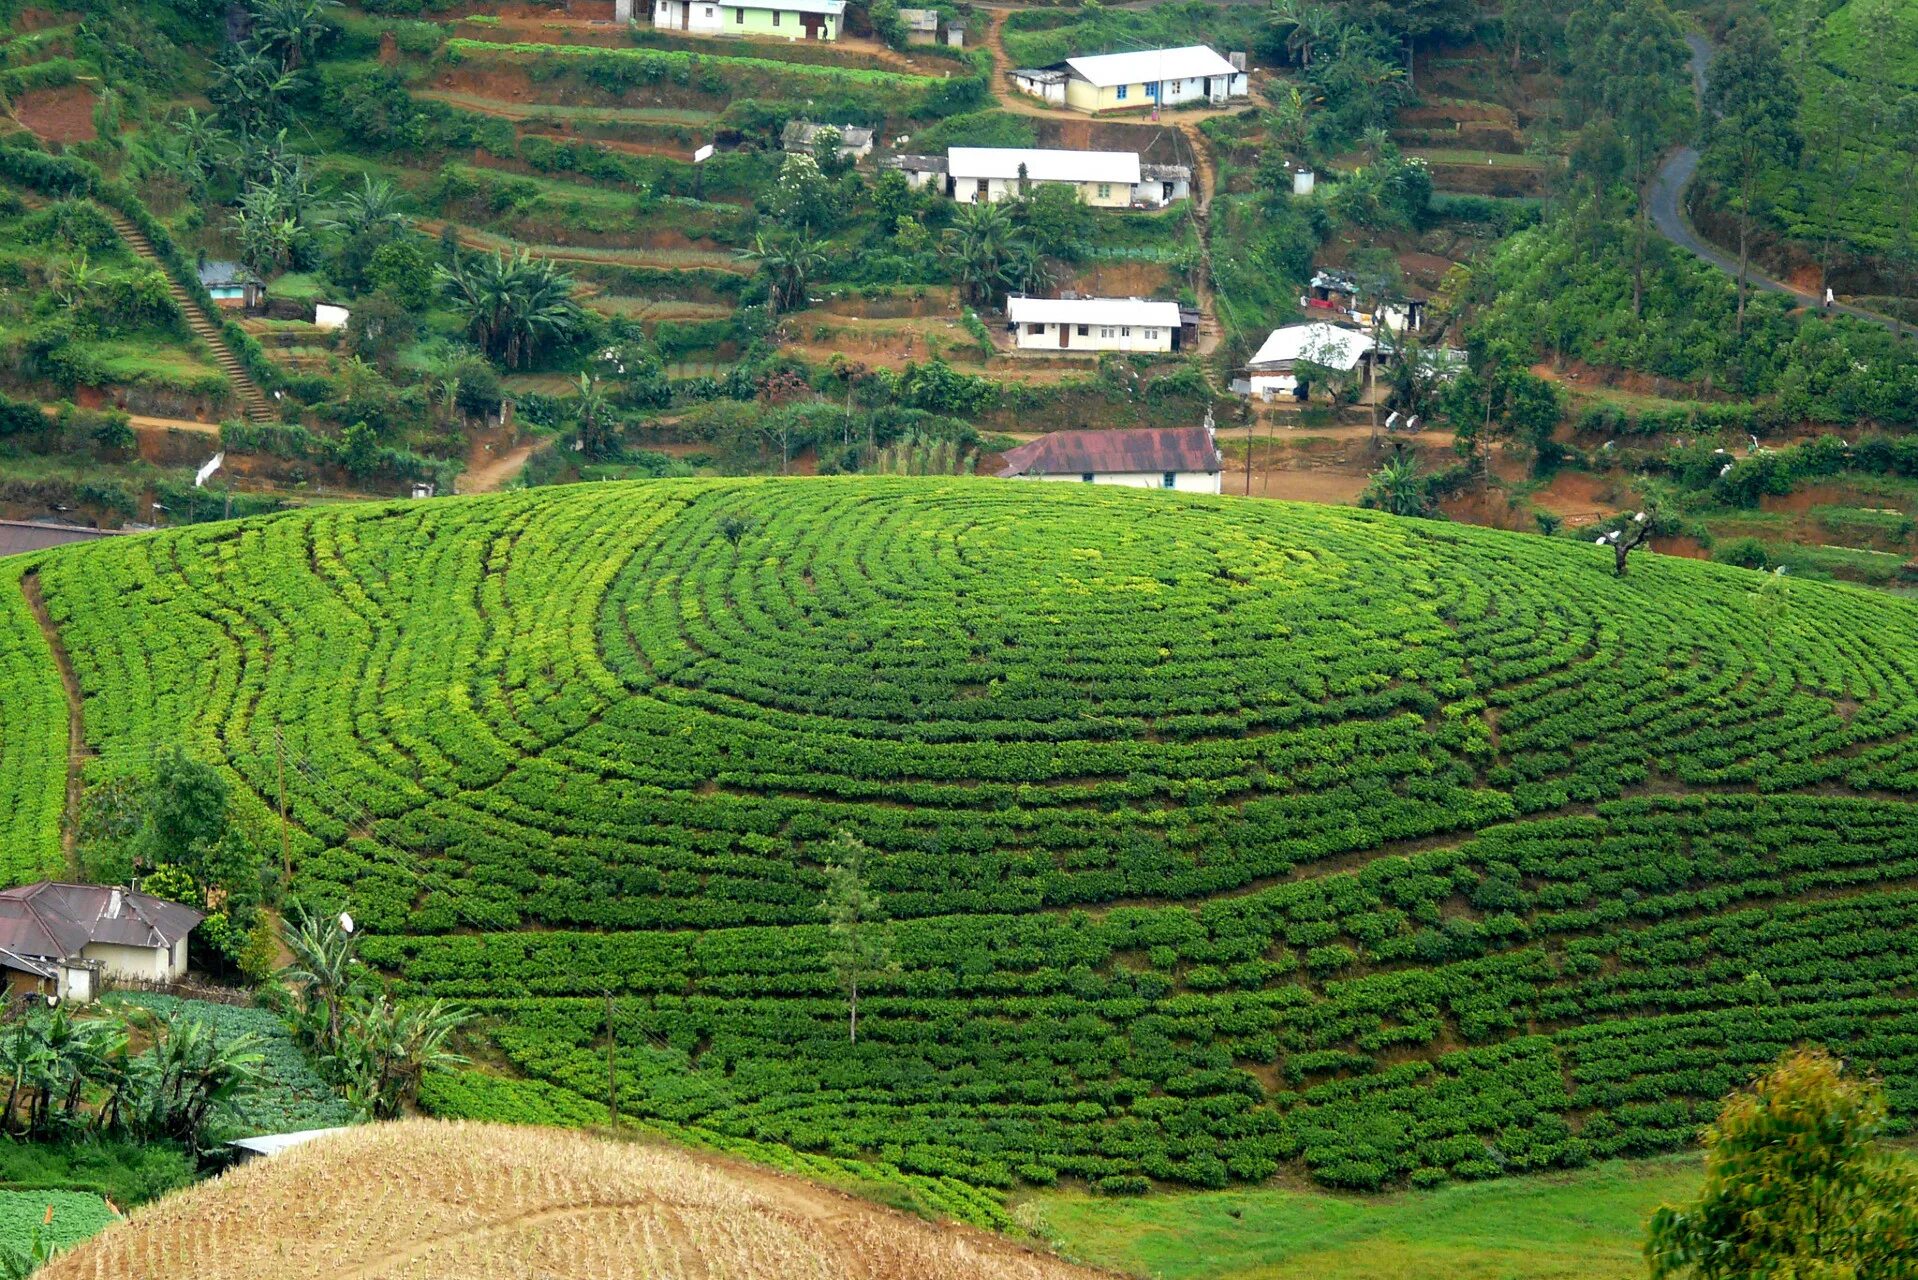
1668 209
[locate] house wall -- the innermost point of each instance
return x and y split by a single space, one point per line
1182 481
1097 338
1054 93
1273 384
1152 192
787 23
922 37
156 964
23 984
1083 95
918 178
1098 195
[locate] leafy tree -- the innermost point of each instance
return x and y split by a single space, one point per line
1751 107
291 30
512 306
858 935
789 262
359 449
1630 62
599 428
802 199
989 252
1306 25
1798 1184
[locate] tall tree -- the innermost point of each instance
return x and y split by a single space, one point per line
1797 1185
1751 109
858 934
1630 63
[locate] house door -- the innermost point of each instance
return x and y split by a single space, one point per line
686 16
1065 335
984 190
811 22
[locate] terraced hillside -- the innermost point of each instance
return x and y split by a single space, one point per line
1219 837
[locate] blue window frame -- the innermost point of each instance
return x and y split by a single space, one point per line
1122 92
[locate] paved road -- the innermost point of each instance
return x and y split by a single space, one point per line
1668 209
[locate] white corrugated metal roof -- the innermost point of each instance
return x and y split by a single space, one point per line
1149 65
271 1144
1321 343
1042 165
1139 311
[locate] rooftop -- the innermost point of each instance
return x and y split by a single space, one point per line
218 271
1140 311
833 7
1148 65
800 133
918 164
920 19
51 920
38 535
1043 165
1320 343
1145 450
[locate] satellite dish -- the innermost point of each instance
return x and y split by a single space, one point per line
346 922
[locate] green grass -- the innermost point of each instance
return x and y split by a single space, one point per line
76 1216
1038 37
1587 1225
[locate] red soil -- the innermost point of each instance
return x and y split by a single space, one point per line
57 115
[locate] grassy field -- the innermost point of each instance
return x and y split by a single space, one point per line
1587 1225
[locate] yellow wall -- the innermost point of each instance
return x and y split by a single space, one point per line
1083 96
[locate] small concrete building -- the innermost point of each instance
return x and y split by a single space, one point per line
922 25
1092 325
1272 370
954 35
231 284
1182 458
115 932
1103 179
788 19
855 143
1137 81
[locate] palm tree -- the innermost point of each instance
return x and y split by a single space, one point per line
980 243
391 1047
291 28
598 430
324 971
512 306
790 263
375 207
251 89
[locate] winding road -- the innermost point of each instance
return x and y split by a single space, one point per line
1668 210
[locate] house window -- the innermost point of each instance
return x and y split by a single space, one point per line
1125 331
709 11
1151 335
1105 331
775 17
1035 329
1086 478
1105 190
1168 480
1084 329
739 17
1120 94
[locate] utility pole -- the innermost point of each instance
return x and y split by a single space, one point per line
1249 419
612 1070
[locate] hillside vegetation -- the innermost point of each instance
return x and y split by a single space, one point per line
1219 838
430 1200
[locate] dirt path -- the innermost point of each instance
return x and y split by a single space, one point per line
78 753
498 471
145 422
648 259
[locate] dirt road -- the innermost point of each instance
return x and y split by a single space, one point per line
499 470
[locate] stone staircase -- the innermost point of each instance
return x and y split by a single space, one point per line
253 402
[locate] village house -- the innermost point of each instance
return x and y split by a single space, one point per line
922 25
799 136
1137 81
1182 458
1338 293
1103 179
791 19
1273 370
1092 325
64 939
230 284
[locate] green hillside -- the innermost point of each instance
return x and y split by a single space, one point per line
1221 838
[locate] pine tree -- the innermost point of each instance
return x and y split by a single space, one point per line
859 935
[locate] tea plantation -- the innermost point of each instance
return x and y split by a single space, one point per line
1219 838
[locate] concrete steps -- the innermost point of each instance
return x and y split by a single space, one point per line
253 402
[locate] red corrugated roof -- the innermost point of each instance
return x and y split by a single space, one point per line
1142 450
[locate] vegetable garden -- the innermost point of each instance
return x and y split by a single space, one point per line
1218 837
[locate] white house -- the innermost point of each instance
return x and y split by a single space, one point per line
1092 325
1183 458
68 935
1136 81
788 19
1271 371
1103 179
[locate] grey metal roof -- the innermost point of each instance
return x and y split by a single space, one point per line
1165 172
219 272
1043 75
920 19
38 535
921 164
51 920
801 133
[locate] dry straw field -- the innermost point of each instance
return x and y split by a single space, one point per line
429 1200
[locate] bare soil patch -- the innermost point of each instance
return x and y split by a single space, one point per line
64 114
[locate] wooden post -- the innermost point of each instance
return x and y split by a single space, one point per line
286 844
612 1070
